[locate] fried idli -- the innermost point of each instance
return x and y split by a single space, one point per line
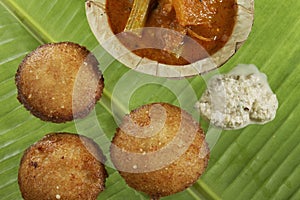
59 82
159 149
62 166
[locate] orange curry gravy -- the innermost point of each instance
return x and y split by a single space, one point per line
218 27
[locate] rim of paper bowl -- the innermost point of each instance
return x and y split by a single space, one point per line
98 21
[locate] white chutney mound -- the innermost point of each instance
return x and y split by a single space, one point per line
239 98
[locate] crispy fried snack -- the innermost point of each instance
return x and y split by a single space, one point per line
59 82
62 166
160 150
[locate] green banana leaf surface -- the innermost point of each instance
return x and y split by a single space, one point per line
257 162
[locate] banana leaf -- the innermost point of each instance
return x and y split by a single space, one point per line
256 162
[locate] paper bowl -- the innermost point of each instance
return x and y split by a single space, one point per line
98 21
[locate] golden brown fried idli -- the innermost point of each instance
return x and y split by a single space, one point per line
59 82
62 166
159 149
